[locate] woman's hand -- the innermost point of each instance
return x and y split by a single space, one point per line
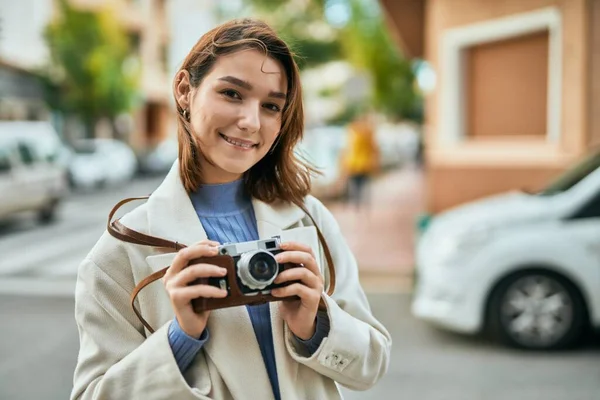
300 315
178 277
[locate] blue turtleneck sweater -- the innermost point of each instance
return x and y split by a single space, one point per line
227 216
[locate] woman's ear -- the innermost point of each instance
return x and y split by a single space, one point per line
183 89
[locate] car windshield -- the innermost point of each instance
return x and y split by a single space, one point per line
573 175
84 148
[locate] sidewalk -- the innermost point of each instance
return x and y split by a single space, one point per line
382 235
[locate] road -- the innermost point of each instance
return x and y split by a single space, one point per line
39 347
43 259
39 342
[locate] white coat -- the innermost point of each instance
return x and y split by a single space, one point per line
119 359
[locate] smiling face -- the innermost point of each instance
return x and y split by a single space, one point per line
235 112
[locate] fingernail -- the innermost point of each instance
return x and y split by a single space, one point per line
223 271
283 245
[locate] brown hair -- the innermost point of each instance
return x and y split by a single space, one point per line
280 174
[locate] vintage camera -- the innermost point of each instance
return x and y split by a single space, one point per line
251 270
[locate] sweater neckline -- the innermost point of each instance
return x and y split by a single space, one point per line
221 199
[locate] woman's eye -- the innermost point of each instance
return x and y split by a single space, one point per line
272 107
231 93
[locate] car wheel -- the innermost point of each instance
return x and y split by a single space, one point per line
48 213
537 310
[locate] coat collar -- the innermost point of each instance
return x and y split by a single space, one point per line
171 214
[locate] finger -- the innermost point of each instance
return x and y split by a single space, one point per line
184 256
198 249
307 295
194 272
304 275
184 295
299 257
209 242
297 246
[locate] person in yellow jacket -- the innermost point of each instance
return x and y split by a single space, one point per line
361 160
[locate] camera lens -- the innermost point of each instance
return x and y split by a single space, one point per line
262 267
257 269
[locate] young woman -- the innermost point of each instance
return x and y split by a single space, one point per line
237 179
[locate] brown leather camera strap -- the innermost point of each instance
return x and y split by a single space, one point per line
125 234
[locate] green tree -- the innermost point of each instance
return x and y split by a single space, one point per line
301 24
91 73
368 46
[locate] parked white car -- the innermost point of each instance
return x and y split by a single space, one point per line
31 176
101 162
525 267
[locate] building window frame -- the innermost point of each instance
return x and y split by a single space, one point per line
456 41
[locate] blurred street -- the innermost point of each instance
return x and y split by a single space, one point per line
40 340
44 259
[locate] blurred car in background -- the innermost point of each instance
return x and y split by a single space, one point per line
524 267
98 163
159 160
32 175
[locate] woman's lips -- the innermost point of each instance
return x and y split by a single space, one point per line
238 143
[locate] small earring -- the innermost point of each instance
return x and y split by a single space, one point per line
186 115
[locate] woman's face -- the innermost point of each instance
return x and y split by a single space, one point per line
235 113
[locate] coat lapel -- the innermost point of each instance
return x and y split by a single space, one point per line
271 219
171 214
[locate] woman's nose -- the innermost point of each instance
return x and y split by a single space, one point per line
250 118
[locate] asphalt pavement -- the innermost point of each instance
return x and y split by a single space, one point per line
39 348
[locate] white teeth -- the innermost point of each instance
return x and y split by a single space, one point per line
232 141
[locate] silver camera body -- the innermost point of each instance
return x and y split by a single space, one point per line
255 264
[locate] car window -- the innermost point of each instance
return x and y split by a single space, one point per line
84 148
573 175
591 209
26 153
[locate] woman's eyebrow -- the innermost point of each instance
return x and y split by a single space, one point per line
246 85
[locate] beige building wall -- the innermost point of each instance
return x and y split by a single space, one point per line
473 168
